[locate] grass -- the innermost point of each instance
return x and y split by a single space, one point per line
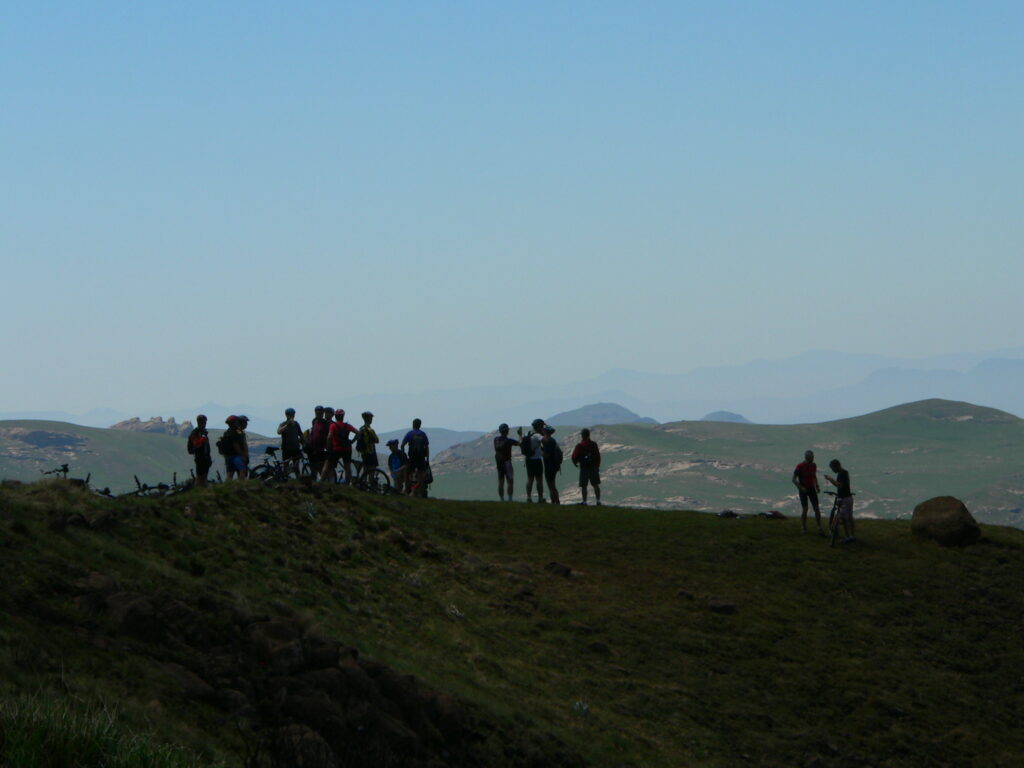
889 652
55 732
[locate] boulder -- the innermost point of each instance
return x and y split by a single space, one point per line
946 520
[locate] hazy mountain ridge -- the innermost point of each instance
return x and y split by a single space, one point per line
808 387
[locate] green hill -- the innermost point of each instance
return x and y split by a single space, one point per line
896 457
239 622
111 456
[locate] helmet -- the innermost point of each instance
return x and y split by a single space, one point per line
329 411
243 418
318 409
289 411
548 429
392 442
364 414
537 423
340 411
503 428
231 419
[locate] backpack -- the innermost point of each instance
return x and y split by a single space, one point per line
526 446
418 447
552 453
197 444
361 441
222 444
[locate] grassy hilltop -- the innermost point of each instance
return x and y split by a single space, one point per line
225 621
897 458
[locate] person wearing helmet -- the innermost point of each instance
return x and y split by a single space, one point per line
198 446
529 446
805 478
339 448
552 455
398 467
316 439
241 441
419 472
228 446
291 442
366 444
503 445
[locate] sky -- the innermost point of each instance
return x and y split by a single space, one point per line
257 202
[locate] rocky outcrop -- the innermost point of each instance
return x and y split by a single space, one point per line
946 520
155 424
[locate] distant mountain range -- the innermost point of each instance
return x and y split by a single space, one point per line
598 413
729 416
806 388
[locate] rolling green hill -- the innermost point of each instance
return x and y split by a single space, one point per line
896 457
111 456
239 622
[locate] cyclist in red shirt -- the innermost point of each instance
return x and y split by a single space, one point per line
339 448
805 478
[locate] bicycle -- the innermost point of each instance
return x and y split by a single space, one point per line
62 470
143 490
375 481
274 470
834 521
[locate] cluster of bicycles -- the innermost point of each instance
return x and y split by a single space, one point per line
275 470
271 471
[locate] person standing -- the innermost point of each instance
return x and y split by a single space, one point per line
552 455
398 467
339 447
291 442
587 457
227 445
418 452
845 497
241 447
503 445
199 448
366 444
316 440
529 446
805 478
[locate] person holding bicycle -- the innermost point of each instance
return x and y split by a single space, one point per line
844 498
805 478
291 442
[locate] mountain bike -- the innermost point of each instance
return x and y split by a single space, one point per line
62 471
834 523
376 480
274 470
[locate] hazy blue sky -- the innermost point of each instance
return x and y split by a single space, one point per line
271 201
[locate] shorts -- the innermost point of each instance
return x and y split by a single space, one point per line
505 469
203 465
534 469
417 463
551 471
370 459
293 454
236 463
811 496
591 475
845 509
333 457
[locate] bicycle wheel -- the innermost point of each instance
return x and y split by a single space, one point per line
377 481
263 473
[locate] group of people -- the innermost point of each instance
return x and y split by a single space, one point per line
544 461
328 444
805 478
